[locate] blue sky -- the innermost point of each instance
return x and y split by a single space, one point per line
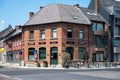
16 12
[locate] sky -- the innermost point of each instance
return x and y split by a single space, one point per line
16 12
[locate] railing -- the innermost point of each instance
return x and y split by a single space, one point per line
87 64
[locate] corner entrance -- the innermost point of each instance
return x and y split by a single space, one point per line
54 56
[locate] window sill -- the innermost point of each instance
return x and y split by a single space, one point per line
42 39
31 39
42 60
31 60
54 38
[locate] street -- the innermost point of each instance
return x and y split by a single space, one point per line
60 74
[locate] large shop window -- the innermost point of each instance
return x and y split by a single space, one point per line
54 33
81 53
42 53
98 57
70 50
42 34
31 36
101 41
31 54
98 27
69 33
81 34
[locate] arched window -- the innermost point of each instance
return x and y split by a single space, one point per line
42 53
31 54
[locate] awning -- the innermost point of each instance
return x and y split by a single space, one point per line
2 50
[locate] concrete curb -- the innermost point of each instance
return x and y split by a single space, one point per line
71 68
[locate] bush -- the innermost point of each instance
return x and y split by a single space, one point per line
65 58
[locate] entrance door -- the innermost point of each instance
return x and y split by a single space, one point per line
54 56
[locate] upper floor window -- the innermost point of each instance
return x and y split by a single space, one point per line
117 21
81 34
31 35
117 11
42 34
101 41
97 27
69 33
54 33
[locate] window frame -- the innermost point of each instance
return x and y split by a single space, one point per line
42 34
69 33
96 26
54 33
41 58
31 35
81 34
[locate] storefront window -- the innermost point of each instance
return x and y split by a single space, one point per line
99 56
81 53
42 53
31 54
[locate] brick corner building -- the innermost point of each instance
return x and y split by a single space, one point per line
56 28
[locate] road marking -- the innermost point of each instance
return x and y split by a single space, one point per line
5 76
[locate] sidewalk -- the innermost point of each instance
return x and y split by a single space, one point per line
8 65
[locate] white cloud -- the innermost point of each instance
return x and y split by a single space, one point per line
117 0
2 24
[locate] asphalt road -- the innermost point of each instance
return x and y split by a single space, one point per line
63 74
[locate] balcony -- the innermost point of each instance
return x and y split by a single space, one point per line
99 49
118 23
116 50
117 36
100 33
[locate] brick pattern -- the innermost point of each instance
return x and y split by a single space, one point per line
61 42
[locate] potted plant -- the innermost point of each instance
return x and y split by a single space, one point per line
65 58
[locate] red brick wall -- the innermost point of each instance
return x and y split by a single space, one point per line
88 42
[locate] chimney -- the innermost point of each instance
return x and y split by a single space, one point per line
97 6
17 27
41 7
31 14
76 6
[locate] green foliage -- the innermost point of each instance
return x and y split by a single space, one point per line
65 56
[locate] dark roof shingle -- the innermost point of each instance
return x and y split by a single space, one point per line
91 15
6 31
58 13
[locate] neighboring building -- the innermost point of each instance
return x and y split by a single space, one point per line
99 37
57 28
3 35
110 10
13 45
